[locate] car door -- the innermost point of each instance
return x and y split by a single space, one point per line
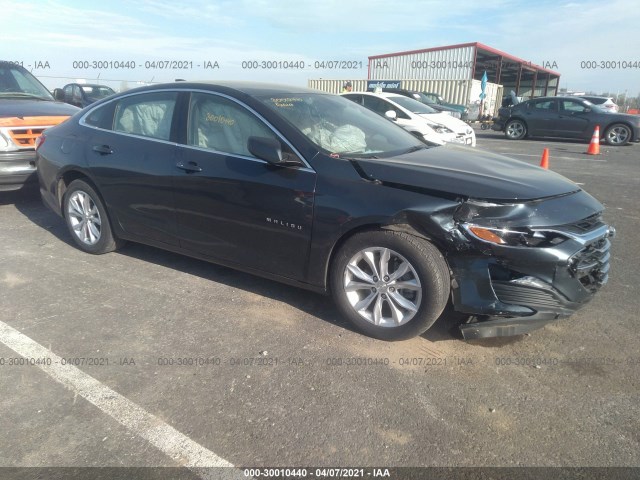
574 120
541 117
131 154
232 206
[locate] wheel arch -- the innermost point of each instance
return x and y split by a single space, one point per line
516 117
65 179
395 226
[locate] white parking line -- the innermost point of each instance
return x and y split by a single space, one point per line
164 437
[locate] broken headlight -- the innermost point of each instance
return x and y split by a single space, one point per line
515 237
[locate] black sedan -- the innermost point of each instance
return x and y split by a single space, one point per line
315 191
564 117
82 94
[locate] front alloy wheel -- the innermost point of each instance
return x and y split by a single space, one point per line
382 287
390 285
618 134
515 130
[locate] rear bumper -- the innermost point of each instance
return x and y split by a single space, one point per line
17 170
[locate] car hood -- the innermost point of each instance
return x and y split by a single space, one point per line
467 172
34 108
448 121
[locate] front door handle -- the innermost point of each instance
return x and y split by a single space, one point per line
102 149
189 167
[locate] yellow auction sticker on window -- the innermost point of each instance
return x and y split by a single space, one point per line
285 102
220 119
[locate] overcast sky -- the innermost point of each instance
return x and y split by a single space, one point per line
229 32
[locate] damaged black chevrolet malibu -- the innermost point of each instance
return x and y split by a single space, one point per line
315 191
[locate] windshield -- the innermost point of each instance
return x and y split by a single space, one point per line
17 82
432 97
425 99
340 126
412 105
97 91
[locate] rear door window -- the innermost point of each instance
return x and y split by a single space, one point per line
146 114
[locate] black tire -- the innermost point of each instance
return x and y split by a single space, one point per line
426 262
515 130
88 219
618 134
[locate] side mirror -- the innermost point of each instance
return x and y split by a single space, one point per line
270 150
391 114
58 94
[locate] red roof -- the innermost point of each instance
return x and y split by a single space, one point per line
478 45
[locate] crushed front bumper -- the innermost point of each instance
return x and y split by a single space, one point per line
513 290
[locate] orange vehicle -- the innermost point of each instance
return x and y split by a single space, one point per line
26 109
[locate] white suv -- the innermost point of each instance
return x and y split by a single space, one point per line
606 103
423 121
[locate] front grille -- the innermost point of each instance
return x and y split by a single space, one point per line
523 295
25 130
591 264
26 137
585 225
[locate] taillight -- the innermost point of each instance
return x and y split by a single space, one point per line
40 141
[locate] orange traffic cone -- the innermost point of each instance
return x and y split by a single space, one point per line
544 163
594 146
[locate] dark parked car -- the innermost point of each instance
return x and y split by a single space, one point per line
315 191
82 94
438 100
565 117
26 109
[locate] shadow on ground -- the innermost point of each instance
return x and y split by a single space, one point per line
30 205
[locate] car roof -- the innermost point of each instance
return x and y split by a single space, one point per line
595 96
6 63
249 88
561 97
88 85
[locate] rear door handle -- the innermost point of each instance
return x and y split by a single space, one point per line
189 167
102 149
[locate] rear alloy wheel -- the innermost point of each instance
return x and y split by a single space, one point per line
515 130
390 285
617 134
87 219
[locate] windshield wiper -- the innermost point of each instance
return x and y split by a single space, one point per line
415 148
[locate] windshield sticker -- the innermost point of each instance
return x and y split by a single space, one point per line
285 102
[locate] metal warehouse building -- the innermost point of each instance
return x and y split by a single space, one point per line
455 72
